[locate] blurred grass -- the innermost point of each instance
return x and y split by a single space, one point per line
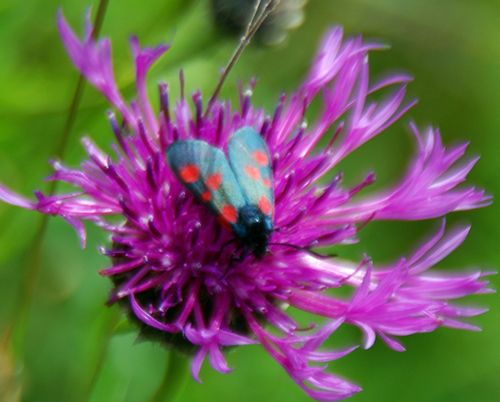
451 47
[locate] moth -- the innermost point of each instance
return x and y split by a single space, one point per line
237 188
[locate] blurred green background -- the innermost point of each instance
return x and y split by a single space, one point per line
451 47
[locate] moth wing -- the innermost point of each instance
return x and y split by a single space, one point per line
251 163
205 172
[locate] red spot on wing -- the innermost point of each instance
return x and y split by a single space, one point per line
265 206
229 213
225 224
190 173
266 182
206 196
214 181
261 158
252 172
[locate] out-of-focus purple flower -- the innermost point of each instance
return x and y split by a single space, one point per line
172 265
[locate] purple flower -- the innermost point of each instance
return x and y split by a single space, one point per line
173 266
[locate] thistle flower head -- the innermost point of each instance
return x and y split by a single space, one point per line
172 263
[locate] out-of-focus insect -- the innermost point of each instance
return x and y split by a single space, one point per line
232 16
238 189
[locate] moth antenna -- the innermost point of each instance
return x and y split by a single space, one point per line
253 25
306 249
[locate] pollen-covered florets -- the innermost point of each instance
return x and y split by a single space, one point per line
173 264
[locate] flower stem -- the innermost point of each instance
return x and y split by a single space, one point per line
174 379
110 320
60 150
17 330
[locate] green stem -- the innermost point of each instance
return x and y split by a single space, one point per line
30 276
62 146
174 379
110 320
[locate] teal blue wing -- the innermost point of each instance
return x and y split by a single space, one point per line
205 172
250 161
